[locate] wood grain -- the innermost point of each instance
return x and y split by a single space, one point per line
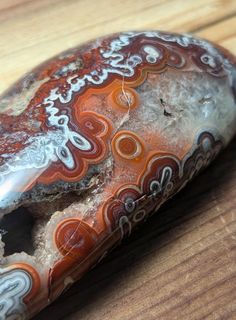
182 263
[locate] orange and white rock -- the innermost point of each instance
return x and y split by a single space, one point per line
92 142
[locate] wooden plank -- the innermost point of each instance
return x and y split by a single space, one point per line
223 33
36 30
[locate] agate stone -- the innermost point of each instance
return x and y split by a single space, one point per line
94 141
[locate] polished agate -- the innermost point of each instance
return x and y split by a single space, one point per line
94 141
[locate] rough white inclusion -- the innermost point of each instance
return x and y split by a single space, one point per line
193 101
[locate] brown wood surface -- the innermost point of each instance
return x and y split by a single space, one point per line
182 263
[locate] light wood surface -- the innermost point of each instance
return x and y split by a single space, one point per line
182 263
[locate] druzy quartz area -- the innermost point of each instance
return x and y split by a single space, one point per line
94 141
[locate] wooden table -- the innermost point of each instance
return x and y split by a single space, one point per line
182 263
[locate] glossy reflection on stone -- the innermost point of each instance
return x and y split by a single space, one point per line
92 142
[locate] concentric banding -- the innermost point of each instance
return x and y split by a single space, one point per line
125 98
19 284
127 145
75 238
89 119
152 54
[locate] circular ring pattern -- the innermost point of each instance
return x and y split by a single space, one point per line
127 145
75 238
124 98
